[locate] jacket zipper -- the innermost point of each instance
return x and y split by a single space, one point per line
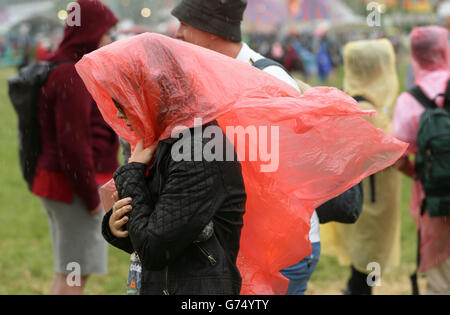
166 270
211 259
166 290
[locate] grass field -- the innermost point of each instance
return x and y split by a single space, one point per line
26 262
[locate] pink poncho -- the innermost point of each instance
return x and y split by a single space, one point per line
430 52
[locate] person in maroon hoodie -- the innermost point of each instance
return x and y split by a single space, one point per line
78 153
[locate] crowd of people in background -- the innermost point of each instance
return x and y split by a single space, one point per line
18 50
70 171
308 53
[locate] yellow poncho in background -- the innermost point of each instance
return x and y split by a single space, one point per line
370 72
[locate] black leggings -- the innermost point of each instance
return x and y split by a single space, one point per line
357 284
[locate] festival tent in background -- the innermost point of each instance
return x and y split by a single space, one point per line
267 11
419 6
271 15
309 10
265 15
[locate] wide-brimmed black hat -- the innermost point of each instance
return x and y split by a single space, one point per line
219 17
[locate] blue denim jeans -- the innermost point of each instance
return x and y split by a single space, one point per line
300 273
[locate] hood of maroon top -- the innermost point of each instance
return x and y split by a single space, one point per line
96 20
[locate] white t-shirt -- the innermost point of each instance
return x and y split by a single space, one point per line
250 56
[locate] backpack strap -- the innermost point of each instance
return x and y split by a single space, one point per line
447 97
372 188
420 96
266 62
360 98
56 64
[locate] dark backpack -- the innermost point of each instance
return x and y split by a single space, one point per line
433 156
345 208
266 62
24 90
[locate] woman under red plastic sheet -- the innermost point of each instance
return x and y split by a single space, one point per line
324 146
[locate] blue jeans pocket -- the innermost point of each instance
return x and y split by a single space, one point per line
299 274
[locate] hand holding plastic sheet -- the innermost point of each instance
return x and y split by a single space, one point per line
325 147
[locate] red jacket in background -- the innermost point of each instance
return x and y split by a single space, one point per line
78 149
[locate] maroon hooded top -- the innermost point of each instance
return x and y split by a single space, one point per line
78 149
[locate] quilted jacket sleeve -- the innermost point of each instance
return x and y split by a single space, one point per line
160 230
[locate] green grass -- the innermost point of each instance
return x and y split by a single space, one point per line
26 259
331 278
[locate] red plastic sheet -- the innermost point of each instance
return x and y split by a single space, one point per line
325 147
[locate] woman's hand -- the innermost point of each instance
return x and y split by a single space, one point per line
142 155
118 219
405 166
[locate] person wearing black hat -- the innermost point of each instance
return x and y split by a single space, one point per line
216 25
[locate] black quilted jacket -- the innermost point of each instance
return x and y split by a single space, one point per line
171 207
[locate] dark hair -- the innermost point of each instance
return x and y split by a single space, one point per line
119 107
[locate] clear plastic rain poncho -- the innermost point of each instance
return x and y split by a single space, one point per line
324 145
370 71
430 54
